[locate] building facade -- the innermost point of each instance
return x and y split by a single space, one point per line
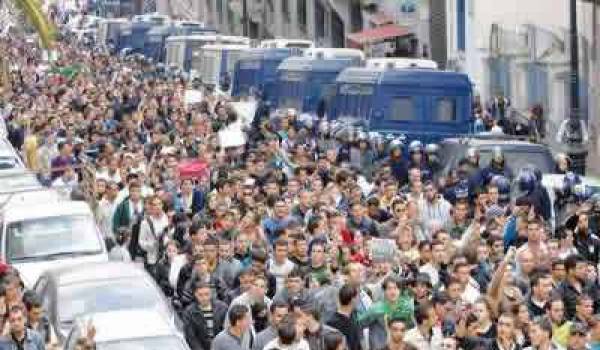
327 22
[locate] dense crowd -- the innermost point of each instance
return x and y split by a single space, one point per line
305 237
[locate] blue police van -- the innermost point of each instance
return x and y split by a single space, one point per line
307 83
256 69
422 104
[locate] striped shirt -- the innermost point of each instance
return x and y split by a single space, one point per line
209 319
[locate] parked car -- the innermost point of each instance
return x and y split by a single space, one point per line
38 236
517 153
68 293
128 330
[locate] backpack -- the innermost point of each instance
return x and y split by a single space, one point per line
134 244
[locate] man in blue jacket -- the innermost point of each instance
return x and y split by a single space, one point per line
20 337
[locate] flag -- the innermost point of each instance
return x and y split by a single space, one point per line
68 72
38 19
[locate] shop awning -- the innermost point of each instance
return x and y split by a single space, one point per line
378 34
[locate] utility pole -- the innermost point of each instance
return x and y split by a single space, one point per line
574 60
573 133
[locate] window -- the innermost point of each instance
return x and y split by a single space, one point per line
445 110
461 25
250 65
39 238
105 295
319 20
356 18
356 89
220 11
292 76
338 35
301 7
403 108
520 158
285 8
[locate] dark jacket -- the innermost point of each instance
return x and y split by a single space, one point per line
473 343
198 200
316 341
195 327
218 288
399 169
122 216
184 276
569 296
163 268
349 328
588 246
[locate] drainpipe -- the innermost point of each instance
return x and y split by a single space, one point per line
245 16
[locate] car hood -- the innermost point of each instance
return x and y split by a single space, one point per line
31 271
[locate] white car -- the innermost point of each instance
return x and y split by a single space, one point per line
37 236
128 330
9 158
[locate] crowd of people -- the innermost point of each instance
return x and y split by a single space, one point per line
303 238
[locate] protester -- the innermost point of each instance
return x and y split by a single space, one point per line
21 337
204 318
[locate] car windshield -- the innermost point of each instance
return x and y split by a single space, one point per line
156 343
517 159
56 236
103 296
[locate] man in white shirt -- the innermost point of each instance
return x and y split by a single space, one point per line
106 210
66 183
153 232
427 335
432 269
280 266
470 288
434 208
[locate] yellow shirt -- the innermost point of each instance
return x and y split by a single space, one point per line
30 145
560 334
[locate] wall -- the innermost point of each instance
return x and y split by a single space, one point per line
482 14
